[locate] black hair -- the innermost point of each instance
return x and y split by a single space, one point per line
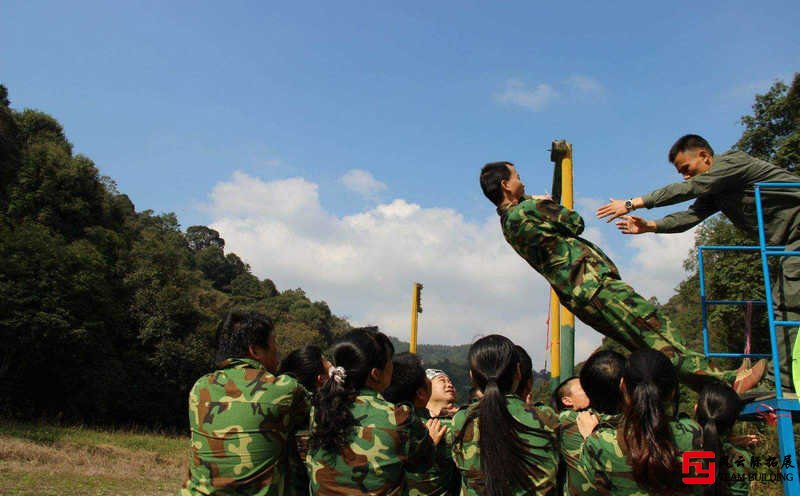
357 352
689 142
718 407
407 377
493 364
559 392
239 330
305 365
650 381
526 370
492 175
600 377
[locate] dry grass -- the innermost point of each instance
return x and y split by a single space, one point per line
48 460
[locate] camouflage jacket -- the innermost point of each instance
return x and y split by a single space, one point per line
543 453
388 440
605 467
570 446
442 478
547 236
740 466
240 417
729 187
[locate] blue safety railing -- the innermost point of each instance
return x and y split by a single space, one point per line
781 407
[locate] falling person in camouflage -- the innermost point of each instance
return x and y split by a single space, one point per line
726 183
547 236
241 414
360 443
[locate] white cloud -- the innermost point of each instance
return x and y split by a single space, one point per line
586 86
364 264
518 93
362 182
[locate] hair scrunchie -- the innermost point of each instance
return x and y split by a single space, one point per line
338 374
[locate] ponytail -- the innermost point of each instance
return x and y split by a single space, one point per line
650 380
718 407
493 364
353 356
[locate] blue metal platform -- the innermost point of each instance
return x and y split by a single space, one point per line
782 408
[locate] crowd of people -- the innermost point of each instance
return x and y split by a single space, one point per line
360 419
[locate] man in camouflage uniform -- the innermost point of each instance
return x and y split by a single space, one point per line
587 282
726 183
411 385
241 414
601 373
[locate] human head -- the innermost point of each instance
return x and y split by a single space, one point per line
600 377
495 370
718 407
569 395
363 359
248 334
307 365
443 392
525 386
409 382
691 155
500 182
648 383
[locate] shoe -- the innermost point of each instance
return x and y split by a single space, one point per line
747 379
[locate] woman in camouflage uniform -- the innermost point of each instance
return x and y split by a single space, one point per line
642 454
503 446
360 443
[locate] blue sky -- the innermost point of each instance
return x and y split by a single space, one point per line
171 99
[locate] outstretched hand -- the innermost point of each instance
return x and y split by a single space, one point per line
612 210
631 224
436 430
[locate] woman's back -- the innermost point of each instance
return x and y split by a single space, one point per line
386 440
605 462
541 423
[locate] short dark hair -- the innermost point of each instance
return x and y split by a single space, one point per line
492 175
560 391
600 377
239 330
407 377
305 365
688 142
525 368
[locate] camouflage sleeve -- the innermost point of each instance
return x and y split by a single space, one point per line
560 219
702 208
420 451
588 480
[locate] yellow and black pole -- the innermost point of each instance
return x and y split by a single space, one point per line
562 321
416 309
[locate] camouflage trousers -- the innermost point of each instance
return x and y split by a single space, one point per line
619 312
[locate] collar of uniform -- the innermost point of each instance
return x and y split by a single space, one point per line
422 413
369 392
240 363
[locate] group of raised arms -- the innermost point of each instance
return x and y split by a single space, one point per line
360 419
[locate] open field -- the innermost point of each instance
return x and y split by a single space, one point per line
43 459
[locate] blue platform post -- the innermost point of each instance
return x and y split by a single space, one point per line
782 407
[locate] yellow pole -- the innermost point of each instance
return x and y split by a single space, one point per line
416 309
567 329
555 339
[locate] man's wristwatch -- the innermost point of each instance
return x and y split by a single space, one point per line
629 205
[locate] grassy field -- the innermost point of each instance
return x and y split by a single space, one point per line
43 459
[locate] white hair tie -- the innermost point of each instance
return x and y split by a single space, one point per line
338 374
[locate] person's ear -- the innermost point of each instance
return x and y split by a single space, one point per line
375 375
567 401
253 352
